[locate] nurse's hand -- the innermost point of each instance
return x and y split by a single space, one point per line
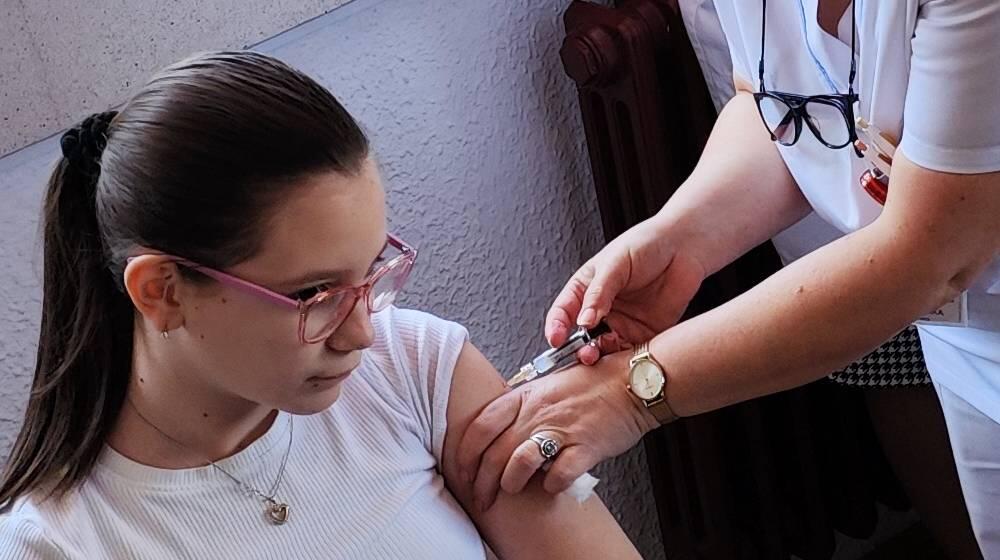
586 409
640 284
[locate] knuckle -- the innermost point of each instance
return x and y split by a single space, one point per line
522 461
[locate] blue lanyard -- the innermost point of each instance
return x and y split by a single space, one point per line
812 54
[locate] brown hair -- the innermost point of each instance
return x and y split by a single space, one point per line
192 166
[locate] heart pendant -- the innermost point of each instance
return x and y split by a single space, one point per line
277 513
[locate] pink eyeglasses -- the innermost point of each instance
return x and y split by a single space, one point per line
325 311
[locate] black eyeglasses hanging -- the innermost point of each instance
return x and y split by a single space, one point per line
829 117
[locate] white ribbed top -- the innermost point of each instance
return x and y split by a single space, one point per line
361 478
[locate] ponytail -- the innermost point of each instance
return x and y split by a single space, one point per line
85 342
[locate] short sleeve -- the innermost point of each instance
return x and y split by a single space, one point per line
20 539
952 114
710 47
425 349
728 21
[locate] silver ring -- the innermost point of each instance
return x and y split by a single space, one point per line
547 446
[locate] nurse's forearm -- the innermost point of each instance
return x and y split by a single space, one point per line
936 235
740 194
810 318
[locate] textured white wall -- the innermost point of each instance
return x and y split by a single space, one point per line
482 150
60 58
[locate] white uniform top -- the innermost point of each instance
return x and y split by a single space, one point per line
932 64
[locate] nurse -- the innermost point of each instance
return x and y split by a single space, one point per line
922 246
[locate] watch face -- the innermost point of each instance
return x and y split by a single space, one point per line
646 380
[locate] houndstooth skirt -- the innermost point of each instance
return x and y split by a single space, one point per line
897 363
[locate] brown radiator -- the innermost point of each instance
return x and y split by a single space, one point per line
760 480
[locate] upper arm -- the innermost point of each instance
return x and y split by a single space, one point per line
944 193
532 524
946 225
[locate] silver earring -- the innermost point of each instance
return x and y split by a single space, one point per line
166 334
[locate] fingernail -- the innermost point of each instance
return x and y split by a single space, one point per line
587 317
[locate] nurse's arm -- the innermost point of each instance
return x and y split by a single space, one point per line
937 233
739 195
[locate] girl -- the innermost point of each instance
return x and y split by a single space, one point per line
217 274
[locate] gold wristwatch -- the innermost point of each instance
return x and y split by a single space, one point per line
647 382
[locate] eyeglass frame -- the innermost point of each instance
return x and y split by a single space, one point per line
407 257
796 103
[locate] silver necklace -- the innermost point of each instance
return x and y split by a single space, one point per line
275 511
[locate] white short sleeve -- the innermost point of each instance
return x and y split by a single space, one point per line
709 43
424 350
20 539
739 45
952 113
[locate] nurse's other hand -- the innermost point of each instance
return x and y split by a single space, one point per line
587 409
640 284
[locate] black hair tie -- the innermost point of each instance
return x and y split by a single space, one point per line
83 144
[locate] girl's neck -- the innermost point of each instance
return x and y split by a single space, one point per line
174 420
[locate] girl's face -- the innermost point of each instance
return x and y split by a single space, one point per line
331 232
